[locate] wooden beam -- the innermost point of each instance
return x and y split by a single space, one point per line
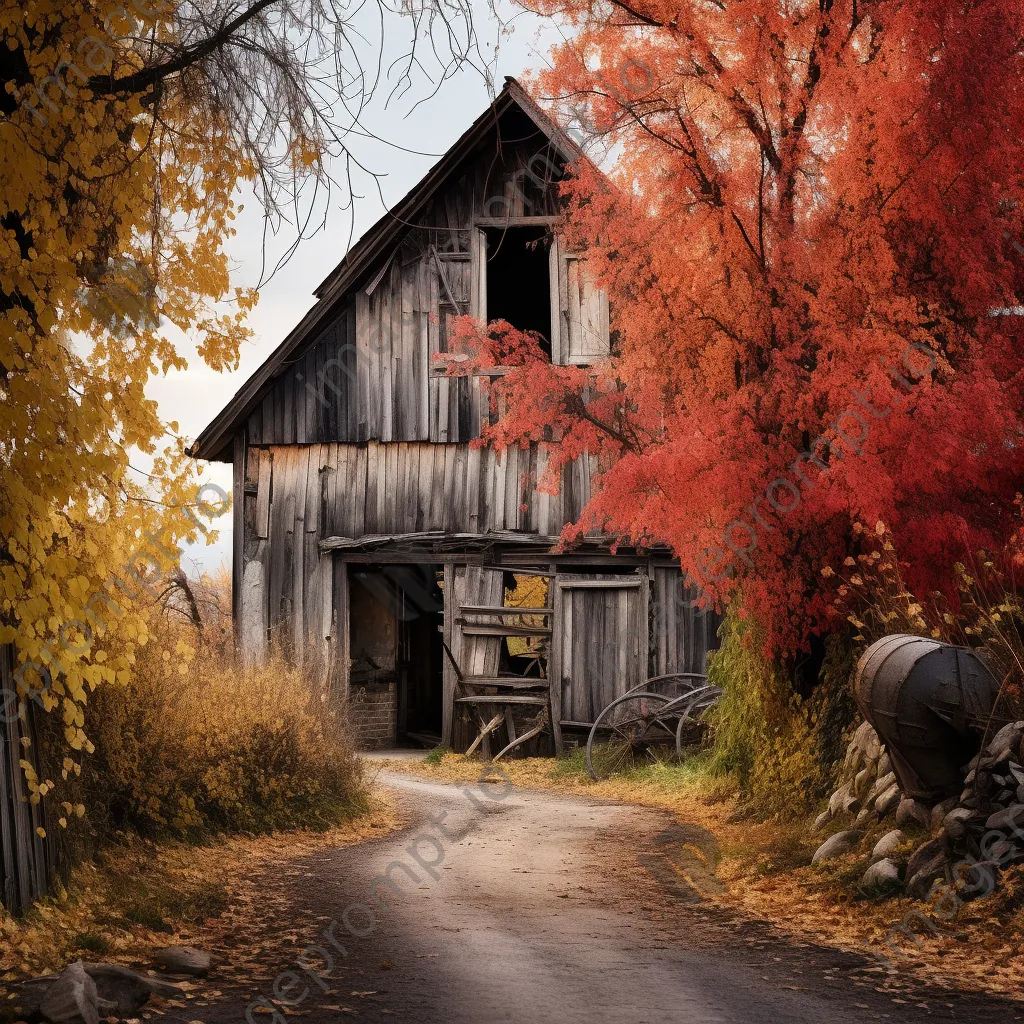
379 539
483 609
517 222
493 629
448 676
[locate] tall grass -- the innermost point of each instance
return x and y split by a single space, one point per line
193 744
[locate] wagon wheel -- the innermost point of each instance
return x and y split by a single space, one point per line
691 709
642 731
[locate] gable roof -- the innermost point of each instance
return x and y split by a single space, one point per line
215 442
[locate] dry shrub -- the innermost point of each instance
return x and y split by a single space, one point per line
783 750
983 607
194 744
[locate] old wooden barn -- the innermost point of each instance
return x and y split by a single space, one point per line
381 552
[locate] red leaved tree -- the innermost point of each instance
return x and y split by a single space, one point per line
813 245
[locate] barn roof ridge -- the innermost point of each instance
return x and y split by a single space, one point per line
214 442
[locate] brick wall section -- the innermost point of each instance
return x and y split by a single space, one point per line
373 716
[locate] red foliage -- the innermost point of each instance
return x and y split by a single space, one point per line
816 211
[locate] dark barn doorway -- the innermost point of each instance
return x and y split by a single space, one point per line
396 613
518 281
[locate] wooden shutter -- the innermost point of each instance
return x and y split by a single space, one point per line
478 275
582 312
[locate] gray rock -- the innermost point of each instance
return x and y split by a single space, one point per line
888 801
911 811
863 779
887 845
1008 818
920 884
881 873
865 815
73 997
885 765
32 993
927 864
1020 793
836 846
1017 772
883 783
939 812
1008 738
1002 852
924 855
822 820
118 987
127 990
872 745
843 800
954 824
183 960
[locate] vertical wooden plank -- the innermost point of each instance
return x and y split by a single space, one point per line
477 463
312 499
298 554
512 489
263 487
363 361
460 500
448 673
374 465
478 275
359 491
390 312
340 641
558 346
498 491
238 530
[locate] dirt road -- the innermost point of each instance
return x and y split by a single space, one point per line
511 906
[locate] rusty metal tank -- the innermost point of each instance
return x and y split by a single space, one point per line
930 704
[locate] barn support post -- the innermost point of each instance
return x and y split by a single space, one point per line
237 532
555 663
340 645
448 677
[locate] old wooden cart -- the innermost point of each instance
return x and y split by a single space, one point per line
653 721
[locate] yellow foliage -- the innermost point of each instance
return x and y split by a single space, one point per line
112 229
218 748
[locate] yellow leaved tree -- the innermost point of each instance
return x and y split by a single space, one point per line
127 130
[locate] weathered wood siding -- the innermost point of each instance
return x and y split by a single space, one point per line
475 655
297 495
27 860
681 634
600 633
372 373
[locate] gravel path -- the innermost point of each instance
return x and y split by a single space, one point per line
541 907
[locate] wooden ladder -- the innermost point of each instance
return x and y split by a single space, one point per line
478 694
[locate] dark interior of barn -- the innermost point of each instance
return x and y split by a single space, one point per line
518 288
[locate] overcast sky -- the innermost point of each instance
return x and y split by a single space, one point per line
193 397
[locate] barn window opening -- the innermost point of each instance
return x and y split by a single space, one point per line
518 281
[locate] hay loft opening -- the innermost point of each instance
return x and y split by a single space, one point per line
518 279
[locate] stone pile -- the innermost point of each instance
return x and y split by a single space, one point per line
972 835
88 992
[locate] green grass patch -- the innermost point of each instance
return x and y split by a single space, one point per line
92 942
